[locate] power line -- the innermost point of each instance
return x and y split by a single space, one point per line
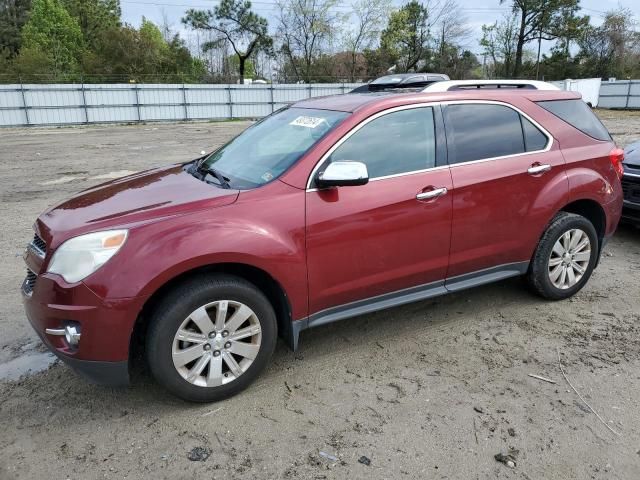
275 4
270 6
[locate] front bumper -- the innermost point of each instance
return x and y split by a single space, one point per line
631 212
111 374
103 351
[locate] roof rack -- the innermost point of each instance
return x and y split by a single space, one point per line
452 85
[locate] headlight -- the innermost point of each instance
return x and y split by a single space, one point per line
79 257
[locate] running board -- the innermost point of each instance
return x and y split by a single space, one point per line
405 296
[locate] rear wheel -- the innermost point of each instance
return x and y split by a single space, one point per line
210 338
565 257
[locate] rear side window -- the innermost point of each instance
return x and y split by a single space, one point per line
478 131
577 114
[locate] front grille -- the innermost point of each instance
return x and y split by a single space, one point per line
29 282
39 244
631 190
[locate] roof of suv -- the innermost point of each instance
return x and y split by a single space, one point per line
352 102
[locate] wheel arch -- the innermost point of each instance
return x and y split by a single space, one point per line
265 282
592 211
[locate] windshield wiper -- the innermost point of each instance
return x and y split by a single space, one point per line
224 181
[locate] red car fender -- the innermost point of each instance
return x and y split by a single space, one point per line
167 250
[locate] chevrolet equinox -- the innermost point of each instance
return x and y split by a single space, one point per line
326 209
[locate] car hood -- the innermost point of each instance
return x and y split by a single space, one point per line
632 155
138 198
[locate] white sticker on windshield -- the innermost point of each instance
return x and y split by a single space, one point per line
309 122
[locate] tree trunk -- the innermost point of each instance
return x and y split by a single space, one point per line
241 61
520 46
354 60
539 50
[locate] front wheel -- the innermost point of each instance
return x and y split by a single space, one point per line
211 337
565 257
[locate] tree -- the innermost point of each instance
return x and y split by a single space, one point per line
365 30
450 32
94 16
407 35
53 33
612 49
305 30
499 44
13 16
557 66
233 20
540 20
249 68
143 55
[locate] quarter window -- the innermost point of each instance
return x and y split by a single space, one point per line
578 114
534 139
481 131
398 142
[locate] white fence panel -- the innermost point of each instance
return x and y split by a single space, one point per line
112 114
66 104
620 94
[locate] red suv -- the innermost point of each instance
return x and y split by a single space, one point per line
327 209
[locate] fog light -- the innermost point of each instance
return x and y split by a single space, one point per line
72 335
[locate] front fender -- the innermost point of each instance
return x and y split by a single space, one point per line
267 234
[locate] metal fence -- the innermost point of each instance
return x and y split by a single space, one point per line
620 94
70 104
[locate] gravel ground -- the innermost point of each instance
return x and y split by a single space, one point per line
430 390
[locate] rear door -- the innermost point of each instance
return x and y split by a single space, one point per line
507 174
392 233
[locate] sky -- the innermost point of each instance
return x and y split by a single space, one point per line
477 12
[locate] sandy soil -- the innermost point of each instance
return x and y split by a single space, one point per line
430 390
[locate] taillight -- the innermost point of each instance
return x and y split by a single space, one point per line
617 157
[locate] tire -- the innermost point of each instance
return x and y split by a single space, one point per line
217 370
543 267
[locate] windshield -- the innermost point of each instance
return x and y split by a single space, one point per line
268 148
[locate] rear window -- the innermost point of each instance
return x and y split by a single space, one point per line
579 115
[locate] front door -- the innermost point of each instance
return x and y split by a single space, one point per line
392 233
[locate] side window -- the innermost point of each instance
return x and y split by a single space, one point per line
394 143
534 139
578 114
479 131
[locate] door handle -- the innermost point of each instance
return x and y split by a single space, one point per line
535 169
437 192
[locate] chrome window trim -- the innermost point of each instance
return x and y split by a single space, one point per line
545 132
634 175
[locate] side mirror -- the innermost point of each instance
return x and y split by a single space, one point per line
344 173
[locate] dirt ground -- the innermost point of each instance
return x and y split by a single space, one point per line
430 390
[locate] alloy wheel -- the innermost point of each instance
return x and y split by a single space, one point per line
216 343
569 258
